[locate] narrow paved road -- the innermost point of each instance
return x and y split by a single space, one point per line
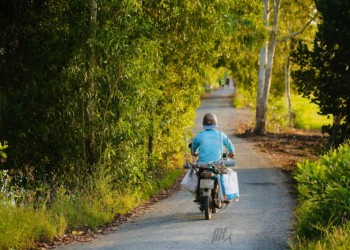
262 219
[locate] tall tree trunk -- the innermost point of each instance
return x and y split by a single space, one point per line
261 109
260 119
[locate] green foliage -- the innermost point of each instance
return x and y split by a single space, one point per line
293 18
337 239
84 93
99 202
306 114
32 42
249 34
243 99
324 195
83 209
92 205
277 114
21 226
323 75
116 91
133 196
2 148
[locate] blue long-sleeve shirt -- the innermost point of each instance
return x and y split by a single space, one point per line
208 145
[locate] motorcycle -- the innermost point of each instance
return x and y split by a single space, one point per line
209 194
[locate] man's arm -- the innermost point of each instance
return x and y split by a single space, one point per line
228 144
194 146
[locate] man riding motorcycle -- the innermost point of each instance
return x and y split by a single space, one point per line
207 145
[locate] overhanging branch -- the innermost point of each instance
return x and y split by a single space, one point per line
294 34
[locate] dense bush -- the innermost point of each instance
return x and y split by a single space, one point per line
324 193
88 84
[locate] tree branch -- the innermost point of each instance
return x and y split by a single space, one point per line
294 34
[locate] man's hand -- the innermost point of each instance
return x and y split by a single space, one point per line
231 155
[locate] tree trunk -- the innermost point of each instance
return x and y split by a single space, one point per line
264 87
260 119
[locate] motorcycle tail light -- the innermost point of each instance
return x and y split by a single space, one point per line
207 174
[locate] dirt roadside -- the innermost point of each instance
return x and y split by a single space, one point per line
287 148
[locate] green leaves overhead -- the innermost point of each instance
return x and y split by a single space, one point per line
109 84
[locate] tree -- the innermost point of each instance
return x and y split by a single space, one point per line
265 67
324 74
86 85
282 13
297 22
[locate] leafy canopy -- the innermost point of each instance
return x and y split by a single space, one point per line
324 74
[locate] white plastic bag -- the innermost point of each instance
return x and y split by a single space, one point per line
220 194
190 181
229 184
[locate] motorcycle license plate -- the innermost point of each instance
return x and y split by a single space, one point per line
205 183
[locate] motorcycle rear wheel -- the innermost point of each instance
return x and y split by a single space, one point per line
207 207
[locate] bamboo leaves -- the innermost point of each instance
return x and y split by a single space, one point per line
111 85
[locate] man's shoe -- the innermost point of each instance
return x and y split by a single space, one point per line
218 204
227 202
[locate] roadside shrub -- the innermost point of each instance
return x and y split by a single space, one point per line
98 202
324 193
131 197
20 227
89 206
337 239
277 114
243 99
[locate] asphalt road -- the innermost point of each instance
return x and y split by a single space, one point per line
262 219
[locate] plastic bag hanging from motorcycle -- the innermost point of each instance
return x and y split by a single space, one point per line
190 181
229 185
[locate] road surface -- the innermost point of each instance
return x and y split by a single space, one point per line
262 219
